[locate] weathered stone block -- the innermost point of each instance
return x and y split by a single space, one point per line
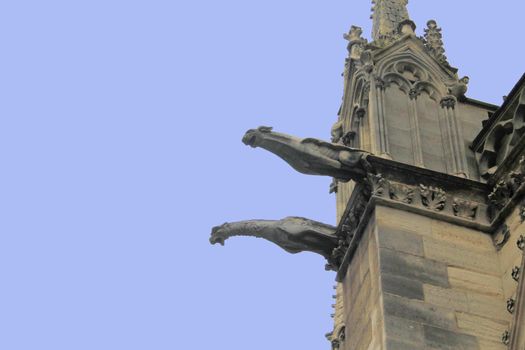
413 267
402 220
445 297
453 255
481 327
404 330
401 286
418 311
437 338
400 240
474 281
463 237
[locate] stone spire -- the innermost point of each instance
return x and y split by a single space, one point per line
387 16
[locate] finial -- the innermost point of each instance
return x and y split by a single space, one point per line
356 44
434 41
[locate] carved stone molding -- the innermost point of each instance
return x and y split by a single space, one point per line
413 189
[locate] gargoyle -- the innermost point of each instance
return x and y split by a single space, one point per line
312 156
459 89
293 234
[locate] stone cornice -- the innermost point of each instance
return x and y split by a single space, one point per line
425 192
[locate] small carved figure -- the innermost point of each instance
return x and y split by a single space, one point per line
459 89
293 234
312 156
337 131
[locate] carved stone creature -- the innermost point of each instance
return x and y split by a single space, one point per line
312 156
459 89
337 131
293 234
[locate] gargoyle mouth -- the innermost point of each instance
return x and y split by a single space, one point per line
216 237
250 139
215 240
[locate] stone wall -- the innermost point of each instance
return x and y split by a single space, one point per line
421 283
361 291
441 282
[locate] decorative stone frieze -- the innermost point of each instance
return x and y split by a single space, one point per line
412 189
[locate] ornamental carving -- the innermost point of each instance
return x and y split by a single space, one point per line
401 193
511 305
377 184
506 188
448 102
356 43
516 273
433 198
413 93
465 208
349 138
502 237
500 195
433 41
504 135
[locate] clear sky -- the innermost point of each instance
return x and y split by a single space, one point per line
120 129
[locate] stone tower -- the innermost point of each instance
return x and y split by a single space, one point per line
430 188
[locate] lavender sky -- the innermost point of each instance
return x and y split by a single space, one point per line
120 129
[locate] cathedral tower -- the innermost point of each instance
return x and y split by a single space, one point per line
430 188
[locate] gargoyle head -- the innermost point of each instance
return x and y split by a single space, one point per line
465 80
254 136
218 234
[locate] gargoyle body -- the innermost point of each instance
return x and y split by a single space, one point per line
293 234
311 156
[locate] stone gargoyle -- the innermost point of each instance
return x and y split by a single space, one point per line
312 156
293 234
